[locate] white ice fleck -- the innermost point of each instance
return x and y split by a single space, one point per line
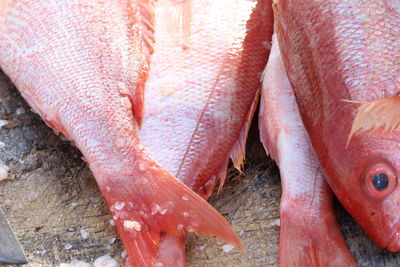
84 234
3 123
2 145
129 225
112 240
3 171
162 211
20 111
105 261
241 233
185 197
227 248
76 263
142 166
201 248
94 199
124 254
112 222
277 222
74 204
32 196
67 246
119 205
159 264
7 203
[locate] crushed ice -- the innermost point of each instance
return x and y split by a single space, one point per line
130 225
84 234
105 261
3 171
227 248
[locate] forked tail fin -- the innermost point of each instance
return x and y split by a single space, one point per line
151 204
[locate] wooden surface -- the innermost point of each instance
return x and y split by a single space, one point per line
50 196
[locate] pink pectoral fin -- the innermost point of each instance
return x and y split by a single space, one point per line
381 113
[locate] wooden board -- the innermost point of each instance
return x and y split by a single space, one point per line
50 196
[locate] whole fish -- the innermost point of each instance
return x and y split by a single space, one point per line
82 66
342 59
202 91
309 233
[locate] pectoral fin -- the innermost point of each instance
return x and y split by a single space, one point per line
379 114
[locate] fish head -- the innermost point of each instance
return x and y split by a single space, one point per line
368 185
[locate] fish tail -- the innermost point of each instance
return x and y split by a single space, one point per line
151 209
172 251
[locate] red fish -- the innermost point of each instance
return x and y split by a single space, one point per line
309 234
202 91
82 66
342 59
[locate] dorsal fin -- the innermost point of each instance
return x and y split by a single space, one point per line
181 20
141 19
146 20
381 113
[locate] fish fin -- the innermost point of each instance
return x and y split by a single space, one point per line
138 103
141 20
151 204
172 251
181 20
238 151
381 113
145 21
222 175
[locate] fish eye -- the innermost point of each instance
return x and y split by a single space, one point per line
380 180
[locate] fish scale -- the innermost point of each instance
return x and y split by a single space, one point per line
71 60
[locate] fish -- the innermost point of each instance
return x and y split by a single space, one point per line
306 212
202 91
82 66
342 61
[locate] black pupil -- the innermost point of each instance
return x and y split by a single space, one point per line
380 181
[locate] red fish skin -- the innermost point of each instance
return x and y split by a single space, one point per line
82 66
202 91
309 232
192 116
347 50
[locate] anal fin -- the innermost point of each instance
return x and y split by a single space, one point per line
238 151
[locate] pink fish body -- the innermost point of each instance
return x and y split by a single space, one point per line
340 55
309 234
82 66
202 90
197 99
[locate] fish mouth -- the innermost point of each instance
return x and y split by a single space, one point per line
394 242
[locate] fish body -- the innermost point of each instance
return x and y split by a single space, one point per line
338 55
198 99
82 66
306 211
203 89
